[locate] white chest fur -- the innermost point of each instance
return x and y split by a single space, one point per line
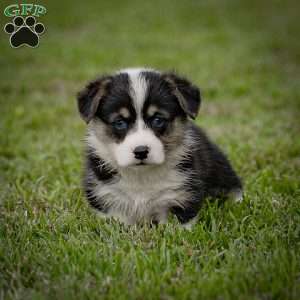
143 193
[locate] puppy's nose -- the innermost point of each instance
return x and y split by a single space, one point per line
141 152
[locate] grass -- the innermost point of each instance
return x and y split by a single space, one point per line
245 56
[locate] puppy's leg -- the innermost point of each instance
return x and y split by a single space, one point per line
160 217
190 224
236 195
187 216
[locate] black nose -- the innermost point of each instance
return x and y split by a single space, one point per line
141 152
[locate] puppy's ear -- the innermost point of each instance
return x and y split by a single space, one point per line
89 98
188 95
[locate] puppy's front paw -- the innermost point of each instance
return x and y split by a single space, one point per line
237 195
189 225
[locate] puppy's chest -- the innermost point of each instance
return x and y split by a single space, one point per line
150 188
138 195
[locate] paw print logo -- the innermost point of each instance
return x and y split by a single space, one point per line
24 32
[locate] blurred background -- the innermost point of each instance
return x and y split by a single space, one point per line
244 56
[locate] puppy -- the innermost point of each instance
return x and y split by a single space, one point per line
145 159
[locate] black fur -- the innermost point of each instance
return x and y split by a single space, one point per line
96 169
212 174
188 95
99 168
116 97
88 99
160 94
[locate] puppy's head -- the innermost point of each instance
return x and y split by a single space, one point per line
137 116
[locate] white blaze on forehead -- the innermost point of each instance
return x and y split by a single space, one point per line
138 90
138 86
137 70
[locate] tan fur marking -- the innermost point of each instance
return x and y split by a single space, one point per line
124 112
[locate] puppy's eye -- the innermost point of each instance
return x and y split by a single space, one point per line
120 124
158 122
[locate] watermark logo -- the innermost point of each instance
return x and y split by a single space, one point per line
24 28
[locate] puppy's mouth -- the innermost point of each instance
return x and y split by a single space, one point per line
146 163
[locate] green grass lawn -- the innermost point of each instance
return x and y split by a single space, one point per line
245 55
